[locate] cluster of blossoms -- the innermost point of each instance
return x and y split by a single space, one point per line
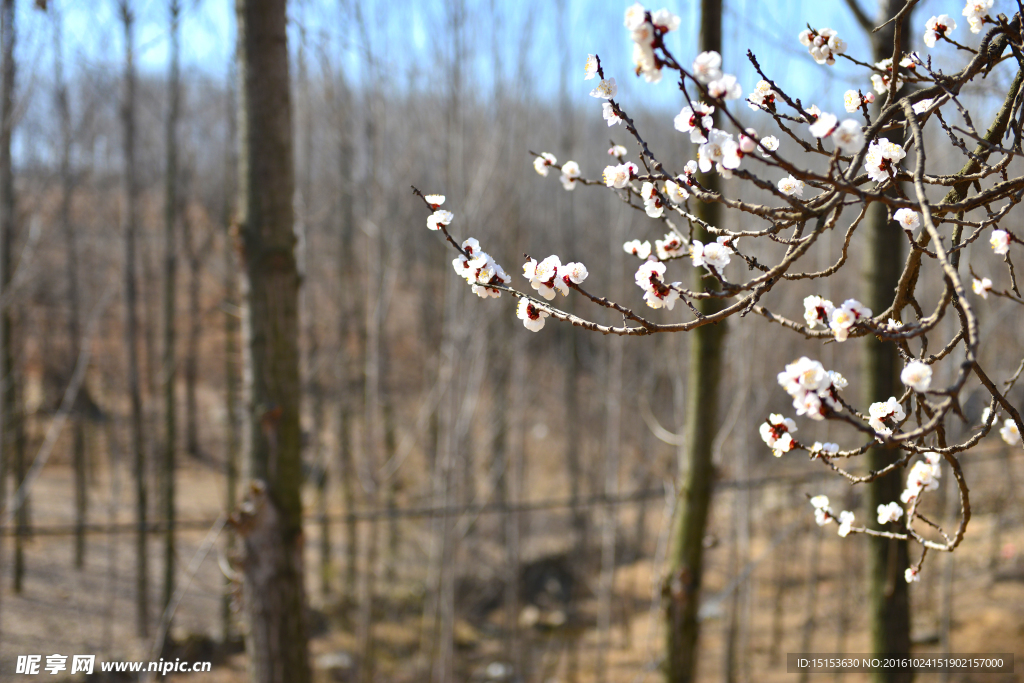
670 246
550 276
976 12
982 287
924 476
650 277
880 81
813 389
715 254
570 169
823 515
847 135
884 413
823 44
853 100
938 27
776 432
653 205
763 97
479 270
889 513
819 311
646 29
440 216
882 160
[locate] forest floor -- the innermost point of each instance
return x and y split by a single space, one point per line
65 611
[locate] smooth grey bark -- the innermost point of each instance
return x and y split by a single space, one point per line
272 535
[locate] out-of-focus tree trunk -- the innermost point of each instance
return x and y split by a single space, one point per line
67 188
888 595
686 554
129 223
168 366
10 441
272 534
231 350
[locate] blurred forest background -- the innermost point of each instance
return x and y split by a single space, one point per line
481 500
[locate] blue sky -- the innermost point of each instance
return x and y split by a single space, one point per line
409 37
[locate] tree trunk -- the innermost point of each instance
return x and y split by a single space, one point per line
67 185
129 218
168 370
888 595
686 555
231 353
272 537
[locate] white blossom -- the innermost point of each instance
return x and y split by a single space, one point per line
618 176
617 151
889 512
671 246
608 112
686 121
725 88
712 255
1010 432
912 574
845 523
439 218
707 67
770 143
570 172
652 201
936 27
676 192
823 125
791 186
711 151
435 200
656 293
852 100
638 248
976 11
888 410
1000 241
882 159
762 97
775 432
817 311
848 136
917 376
665 21
922 106
541 163
827 448
573 272
907 218
590 68
982 287
605 90
635 16
531 315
